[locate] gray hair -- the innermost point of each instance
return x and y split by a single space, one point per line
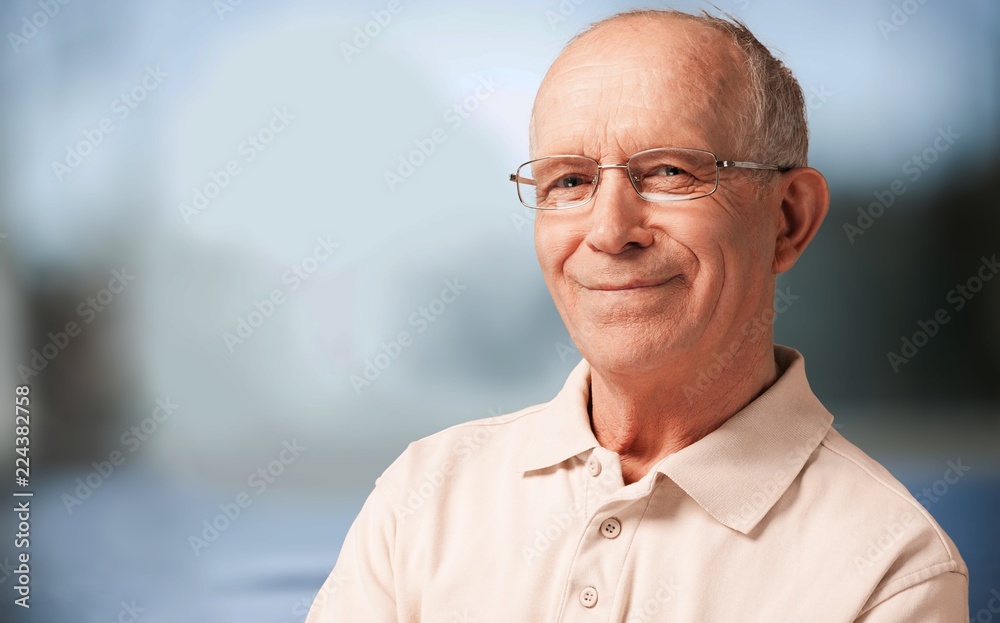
771 124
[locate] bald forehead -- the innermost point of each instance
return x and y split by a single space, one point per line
647 30
640 82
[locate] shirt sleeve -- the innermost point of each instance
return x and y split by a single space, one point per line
943 598
360 589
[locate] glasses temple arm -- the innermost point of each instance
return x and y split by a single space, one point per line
728 164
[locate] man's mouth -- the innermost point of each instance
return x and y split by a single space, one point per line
632 284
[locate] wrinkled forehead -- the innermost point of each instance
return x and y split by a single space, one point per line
628 87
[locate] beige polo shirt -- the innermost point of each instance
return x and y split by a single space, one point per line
524 518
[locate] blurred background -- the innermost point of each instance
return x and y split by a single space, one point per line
217 217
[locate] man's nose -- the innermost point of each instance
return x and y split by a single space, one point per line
619 215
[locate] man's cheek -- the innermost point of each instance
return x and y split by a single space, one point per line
553 254
543 242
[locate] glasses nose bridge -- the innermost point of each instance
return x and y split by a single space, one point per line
614 165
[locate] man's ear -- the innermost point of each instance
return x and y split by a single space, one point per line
805 200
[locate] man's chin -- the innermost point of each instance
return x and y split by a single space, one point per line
626 353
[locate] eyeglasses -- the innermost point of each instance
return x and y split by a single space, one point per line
659 175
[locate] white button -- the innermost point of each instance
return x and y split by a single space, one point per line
611 528
594 466
588 597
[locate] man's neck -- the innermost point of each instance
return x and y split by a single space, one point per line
645 418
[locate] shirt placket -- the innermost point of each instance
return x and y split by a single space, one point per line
602 549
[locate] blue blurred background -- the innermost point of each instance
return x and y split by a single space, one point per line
214 216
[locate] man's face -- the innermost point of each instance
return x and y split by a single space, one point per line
639 284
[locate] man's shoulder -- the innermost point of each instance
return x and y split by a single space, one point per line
850 470
461 446
896 539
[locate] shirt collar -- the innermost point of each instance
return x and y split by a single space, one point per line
736 473
560 429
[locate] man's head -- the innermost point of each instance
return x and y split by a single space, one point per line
643 285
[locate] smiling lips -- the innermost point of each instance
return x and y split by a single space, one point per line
628 285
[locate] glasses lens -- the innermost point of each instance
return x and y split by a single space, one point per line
673 174
556 182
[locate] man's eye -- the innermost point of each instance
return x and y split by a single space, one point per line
667 171
569 181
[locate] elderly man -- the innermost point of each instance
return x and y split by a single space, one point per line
685 472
